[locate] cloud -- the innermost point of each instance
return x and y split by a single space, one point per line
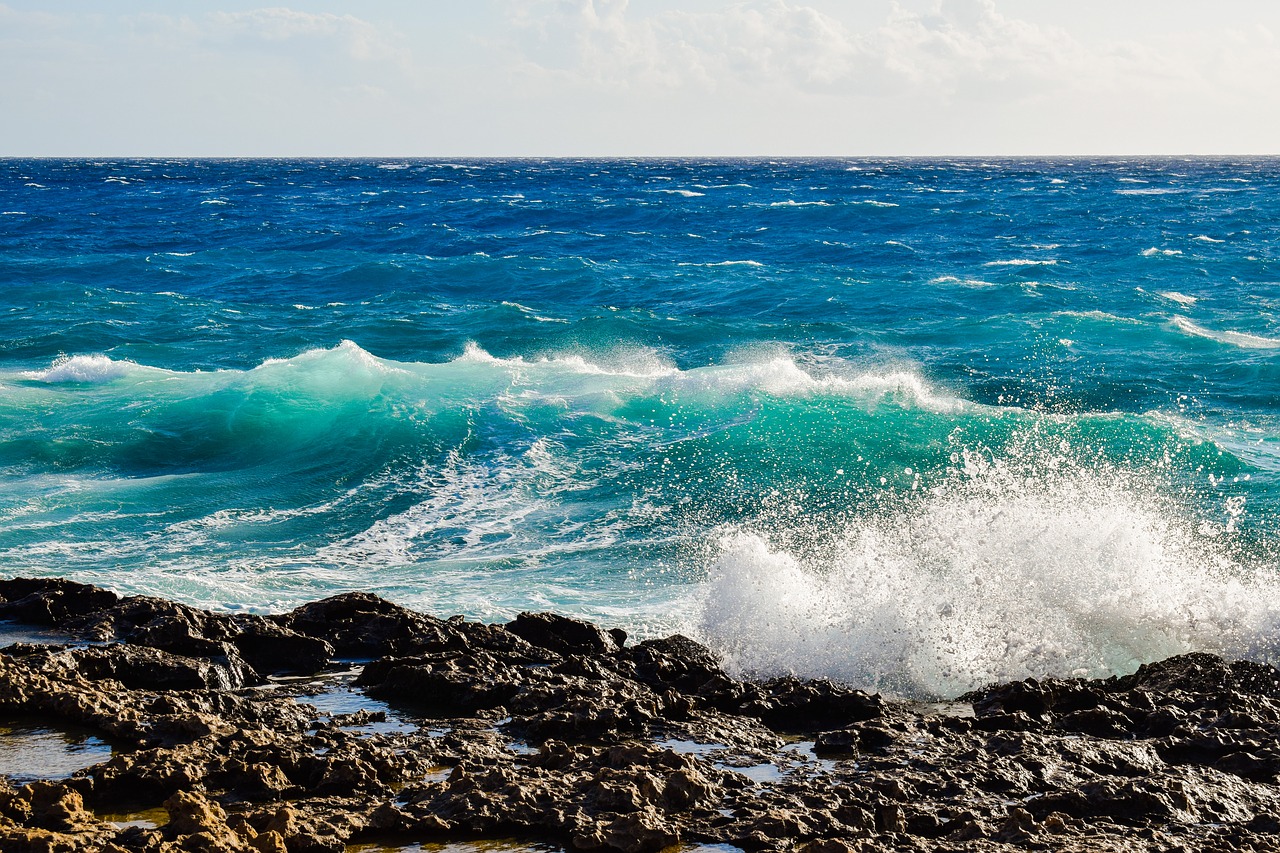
357 38
601 42
953 49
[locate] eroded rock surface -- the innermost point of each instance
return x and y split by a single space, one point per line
559 731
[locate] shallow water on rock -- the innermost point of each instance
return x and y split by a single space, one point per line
12 632
498 846
334 694
794 757
508 846
146 819
31 751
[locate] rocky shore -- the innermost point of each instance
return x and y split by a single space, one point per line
354 720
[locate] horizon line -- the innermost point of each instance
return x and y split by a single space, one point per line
478 157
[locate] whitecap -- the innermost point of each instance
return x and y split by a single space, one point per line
1095 314
722 264
1180 298
1234 338
1023 262
966 282
87 369
1153 251
684 193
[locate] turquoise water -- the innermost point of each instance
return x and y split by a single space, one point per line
912 424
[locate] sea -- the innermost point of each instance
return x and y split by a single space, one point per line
915 425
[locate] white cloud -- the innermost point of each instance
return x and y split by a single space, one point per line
955 48
570 77
358 39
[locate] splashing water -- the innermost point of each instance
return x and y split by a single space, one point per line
995 574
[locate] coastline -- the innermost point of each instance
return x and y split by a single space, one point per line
353 721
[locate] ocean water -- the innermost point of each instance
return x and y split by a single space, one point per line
916 425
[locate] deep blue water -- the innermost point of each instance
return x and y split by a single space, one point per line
914 424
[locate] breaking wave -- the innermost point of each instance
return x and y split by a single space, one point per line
1001 571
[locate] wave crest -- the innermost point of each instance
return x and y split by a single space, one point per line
83 369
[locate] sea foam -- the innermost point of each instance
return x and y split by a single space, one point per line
1243 340
88 369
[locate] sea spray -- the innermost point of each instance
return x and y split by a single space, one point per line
1001 571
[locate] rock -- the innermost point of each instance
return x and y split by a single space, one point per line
552 729
269 647
562 635
362 625
52 601
842 742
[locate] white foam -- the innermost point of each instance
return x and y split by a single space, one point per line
685 193
639 363
793 203
997 574
89 369
647 372
1238 339
967 282
1023 262
483 509
784 376
723 264
1153 251
1095 314
1180 298
1204 238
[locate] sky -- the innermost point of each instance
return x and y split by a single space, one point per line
440 78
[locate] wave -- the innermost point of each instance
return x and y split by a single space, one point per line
324 398
722 264
1023 262
1180 298
1005 570
965 282
679 192
349 367
1095 314
472 484
86 369
1243 340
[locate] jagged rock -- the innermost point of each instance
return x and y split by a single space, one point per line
551 728
562 635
